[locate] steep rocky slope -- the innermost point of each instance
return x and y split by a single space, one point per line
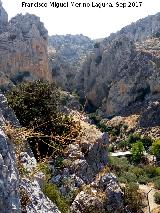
18 194
85 175
23 48
66 56
123 69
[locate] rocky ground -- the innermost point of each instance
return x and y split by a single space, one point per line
85 172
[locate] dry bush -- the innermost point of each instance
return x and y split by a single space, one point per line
37 106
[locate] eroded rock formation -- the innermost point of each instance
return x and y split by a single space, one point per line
23 48
85 171
66 56
123 69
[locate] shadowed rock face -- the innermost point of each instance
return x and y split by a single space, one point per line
23 46
124 68
66 56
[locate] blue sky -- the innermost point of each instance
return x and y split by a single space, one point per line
92 22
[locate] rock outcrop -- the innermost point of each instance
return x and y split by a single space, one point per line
84 171
66 56
14 188
9 178
140 30
103 195
37 201
23 48
123 69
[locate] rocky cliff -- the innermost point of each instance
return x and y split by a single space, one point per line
23 48
18 194
66 56
123 69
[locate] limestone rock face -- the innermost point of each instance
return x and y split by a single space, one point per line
37 202
23 48
92 199
142 29
66 56
10 182
123 69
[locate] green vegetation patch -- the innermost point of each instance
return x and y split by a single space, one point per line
128 173
37 106
52 192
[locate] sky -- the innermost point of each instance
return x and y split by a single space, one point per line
92 22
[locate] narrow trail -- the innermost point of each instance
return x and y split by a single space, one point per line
152 204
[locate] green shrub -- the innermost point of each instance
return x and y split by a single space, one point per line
140 174
51 191
143 179
123 145
137 151
133 138
96 119
122 179
147 142
157 183
34 102
150 171
114 131
156 148
59 163
130 177
132 197
158 171
36 105
157 198
137 171
119 164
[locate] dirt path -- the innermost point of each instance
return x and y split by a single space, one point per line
152 204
